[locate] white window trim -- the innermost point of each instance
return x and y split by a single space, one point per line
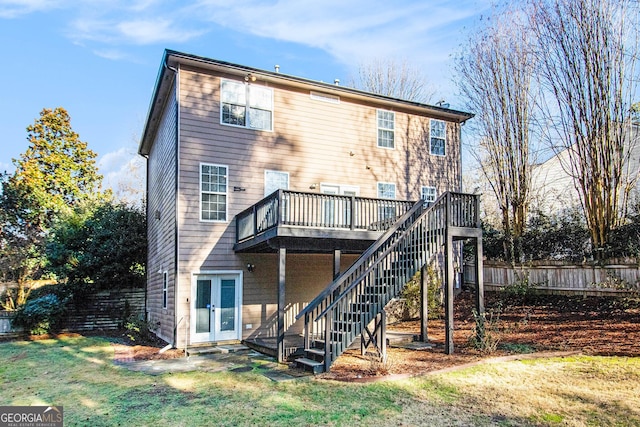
226 207
378 128
422 193
395 190
266 171
165 289
247 106
341 188
239 294
444 139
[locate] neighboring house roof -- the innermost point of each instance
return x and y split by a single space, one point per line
173 58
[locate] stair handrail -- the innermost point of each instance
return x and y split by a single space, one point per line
357 280
366 254
418 206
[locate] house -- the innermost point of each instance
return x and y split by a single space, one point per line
265 191
554 184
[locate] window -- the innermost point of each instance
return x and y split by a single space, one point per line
438 134
387 190
275 180
386 125
246 105
428 194
165 288
213 192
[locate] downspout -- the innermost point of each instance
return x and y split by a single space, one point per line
460 150
146 215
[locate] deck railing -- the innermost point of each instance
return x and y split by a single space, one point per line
315 210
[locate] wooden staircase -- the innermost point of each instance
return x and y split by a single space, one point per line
348 307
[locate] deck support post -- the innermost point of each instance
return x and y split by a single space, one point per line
449 277
336 263
424 304
479 277
282 264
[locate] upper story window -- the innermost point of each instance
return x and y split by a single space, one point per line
213 192
386 126
246 105
438 137
428 194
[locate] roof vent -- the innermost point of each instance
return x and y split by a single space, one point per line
277 67
337 82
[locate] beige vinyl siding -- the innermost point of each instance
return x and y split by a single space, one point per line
307 275
161 232
314 142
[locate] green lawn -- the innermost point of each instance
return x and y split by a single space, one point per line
79 374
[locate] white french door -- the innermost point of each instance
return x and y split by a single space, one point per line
338 212
216 302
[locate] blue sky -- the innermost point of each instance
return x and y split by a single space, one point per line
99 58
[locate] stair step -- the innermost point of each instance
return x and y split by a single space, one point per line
370 298
342 326
310 365
315 351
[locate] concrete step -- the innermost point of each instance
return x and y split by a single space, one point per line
216 349
316 352
310 365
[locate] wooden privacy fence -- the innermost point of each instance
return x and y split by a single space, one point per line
557 278
103 310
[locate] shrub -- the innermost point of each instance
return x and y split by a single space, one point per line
561 236
411 293
42 315
519 292
485 335
138 330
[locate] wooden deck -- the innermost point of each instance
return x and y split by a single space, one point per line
314 222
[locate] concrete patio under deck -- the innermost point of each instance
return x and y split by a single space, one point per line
294 343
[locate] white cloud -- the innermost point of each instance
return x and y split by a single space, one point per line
14 8
118 30
353 32
149 31
357 31
112 54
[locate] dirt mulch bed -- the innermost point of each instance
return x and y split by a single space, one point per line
592 326
128 348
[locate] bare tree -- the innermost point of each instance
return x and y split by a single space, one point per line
587 54
495 75
394 78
